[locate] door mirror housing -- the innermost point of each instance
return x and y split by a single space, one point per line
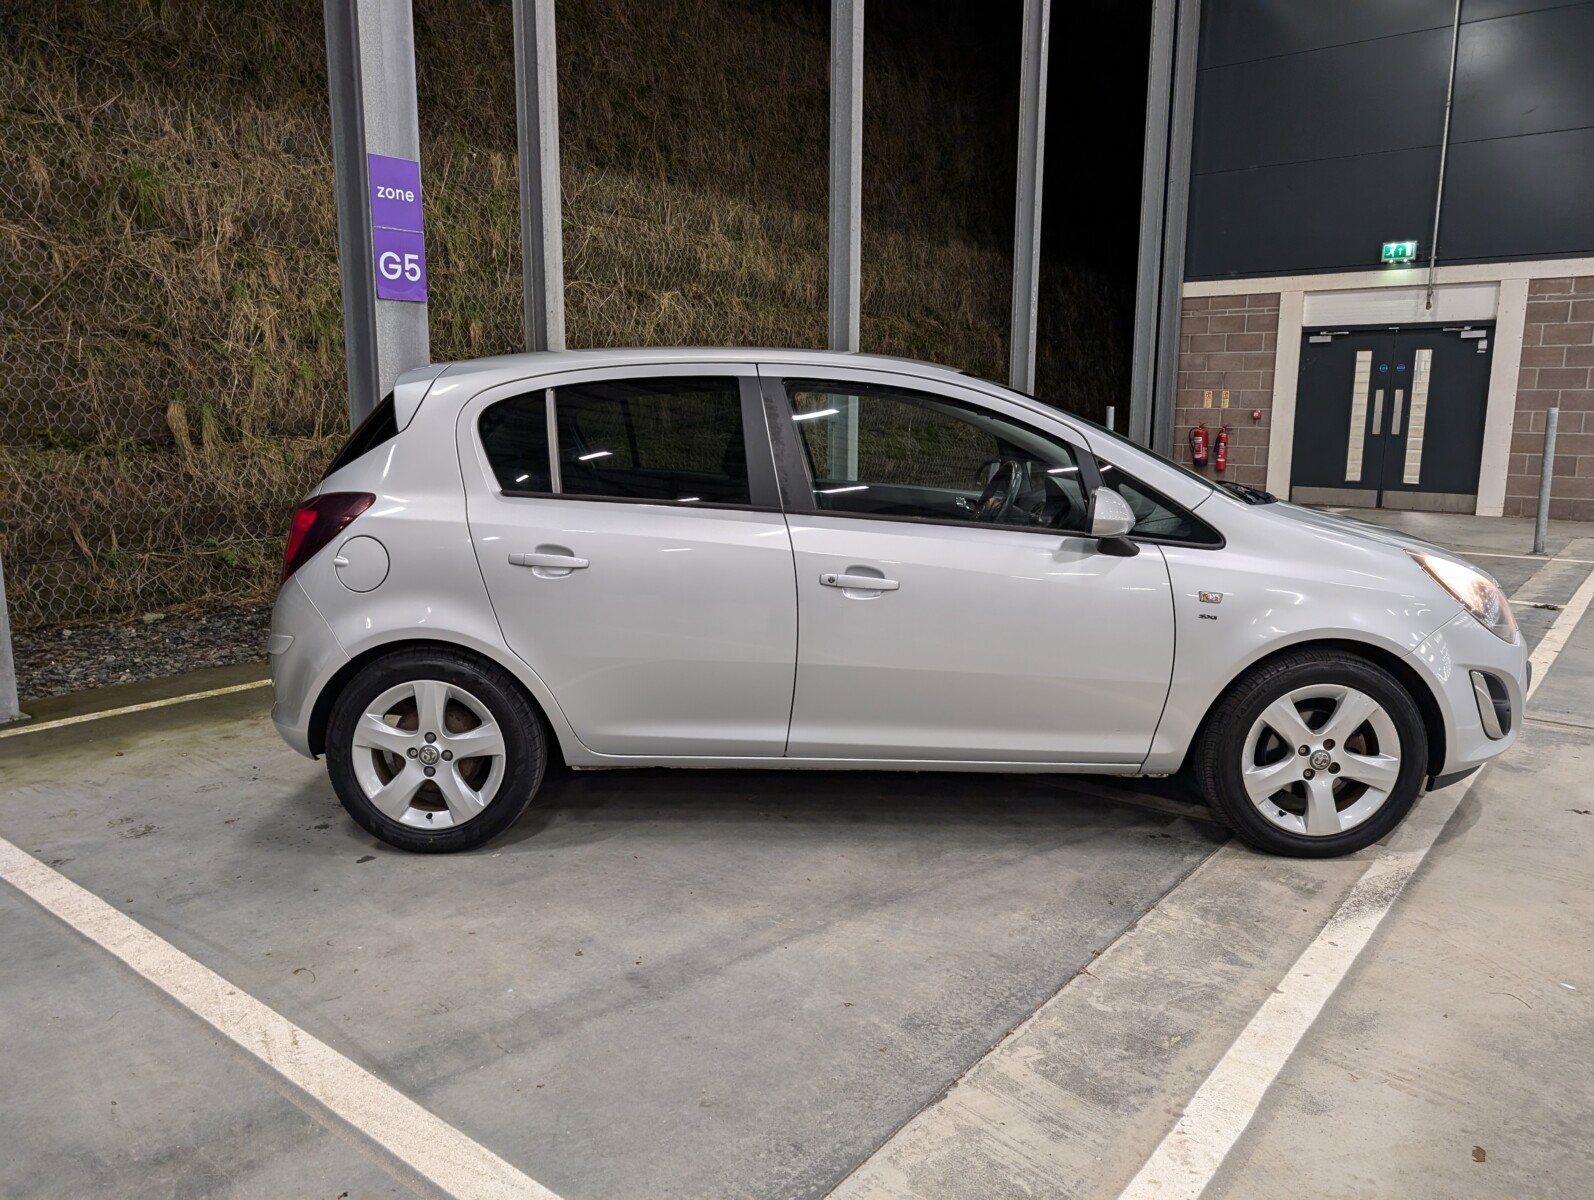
1110 515
1110 520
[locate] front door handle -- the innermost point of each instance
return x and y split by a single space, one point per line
862 583
552 562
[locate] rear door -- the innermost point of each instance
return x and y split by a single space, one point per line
629 531
949 607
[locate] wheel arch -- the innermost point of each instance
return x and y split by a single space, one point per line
321 711
1416 686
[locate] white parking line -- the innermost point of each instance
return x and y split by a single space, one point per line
19 730
1225 1103
1555 638
432 1147
1580 562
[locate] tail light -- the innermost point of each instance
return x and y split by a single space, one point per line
317 523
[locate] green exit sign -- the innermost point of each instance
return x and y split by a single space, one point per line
1400 252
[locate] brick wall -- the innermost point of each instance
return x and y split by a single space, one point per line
1228 342
1557 359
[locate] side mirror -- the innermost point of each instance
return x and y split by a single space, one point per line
1110 520
1110 515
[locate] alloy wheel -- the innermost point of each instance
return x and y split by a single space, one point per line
1321 759
428 754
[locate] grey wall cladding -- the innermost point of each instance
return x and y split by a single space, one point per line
1318 128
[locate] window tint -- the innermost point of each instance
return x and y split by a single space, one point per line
380 426
515 436
676 439
894 453
1155 515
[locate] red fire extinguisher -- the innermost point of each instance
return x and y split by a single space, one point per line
1223 449
1198 445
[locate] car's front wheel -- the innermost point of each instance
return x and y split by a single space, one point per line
434 750
1314 754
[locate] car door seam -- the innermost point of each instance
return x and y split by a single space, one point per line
1173 658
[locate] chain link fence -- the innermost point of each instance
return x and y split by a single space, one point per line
170 311
170 322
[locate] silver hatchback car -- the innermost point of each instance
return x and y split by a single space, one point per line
740 558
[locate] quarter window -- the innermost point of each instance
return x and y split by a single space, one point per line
890 452
380 426
1156 516
672 440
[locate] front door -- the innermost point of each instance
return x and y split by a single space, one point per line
644 569
948 608
1392 417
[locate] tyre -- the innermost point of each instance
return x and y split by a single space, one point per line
1313 755
434 750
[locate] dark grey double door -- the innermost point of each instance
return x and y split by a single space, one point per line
1391 417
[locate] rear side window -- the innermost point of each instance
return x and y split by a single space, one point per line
381 426
515 436
676 440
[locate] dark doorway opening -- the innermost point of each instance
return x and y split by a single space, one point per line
1095 132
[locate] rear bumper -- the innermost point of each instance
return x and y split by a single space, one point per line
304 654
1452 660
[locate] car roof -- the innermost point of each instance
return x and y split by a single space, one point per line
542 361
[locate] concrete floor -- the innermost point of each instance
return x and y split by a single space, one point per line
692 984
660 983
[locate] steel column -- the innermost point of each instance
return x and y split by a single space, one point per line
9 710
1027 206
542 255
371 85
1181 130
1153 193
846 170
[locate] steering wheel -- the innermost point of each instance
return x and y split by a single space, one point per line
1001 493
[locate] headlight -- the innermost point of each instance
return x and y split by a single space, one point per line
1477 593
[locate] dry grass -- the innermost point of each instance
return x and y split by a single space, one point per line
169 314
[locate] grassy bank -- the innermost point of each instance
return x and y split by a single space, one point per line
169 310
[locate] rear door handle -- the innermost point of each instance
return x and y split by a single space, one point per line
557 562
863 583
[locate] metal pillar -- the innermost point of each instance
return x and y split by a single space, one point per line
1541 518
371 84
9 710
1164 209
1027 207
1181 130
846 170
1153 191
542 254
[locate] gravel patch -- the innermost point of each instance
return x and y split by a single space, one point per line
55 662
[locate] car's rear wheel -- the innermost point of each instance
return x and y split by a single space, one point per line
1314 754
434 750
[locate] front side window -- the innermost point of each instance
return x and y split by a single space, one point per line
672 440
891 452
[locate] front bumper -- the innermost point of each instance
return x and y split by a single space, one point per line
305 653
1448 660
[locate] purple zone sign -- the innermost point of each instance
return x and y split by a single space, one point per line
397 244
